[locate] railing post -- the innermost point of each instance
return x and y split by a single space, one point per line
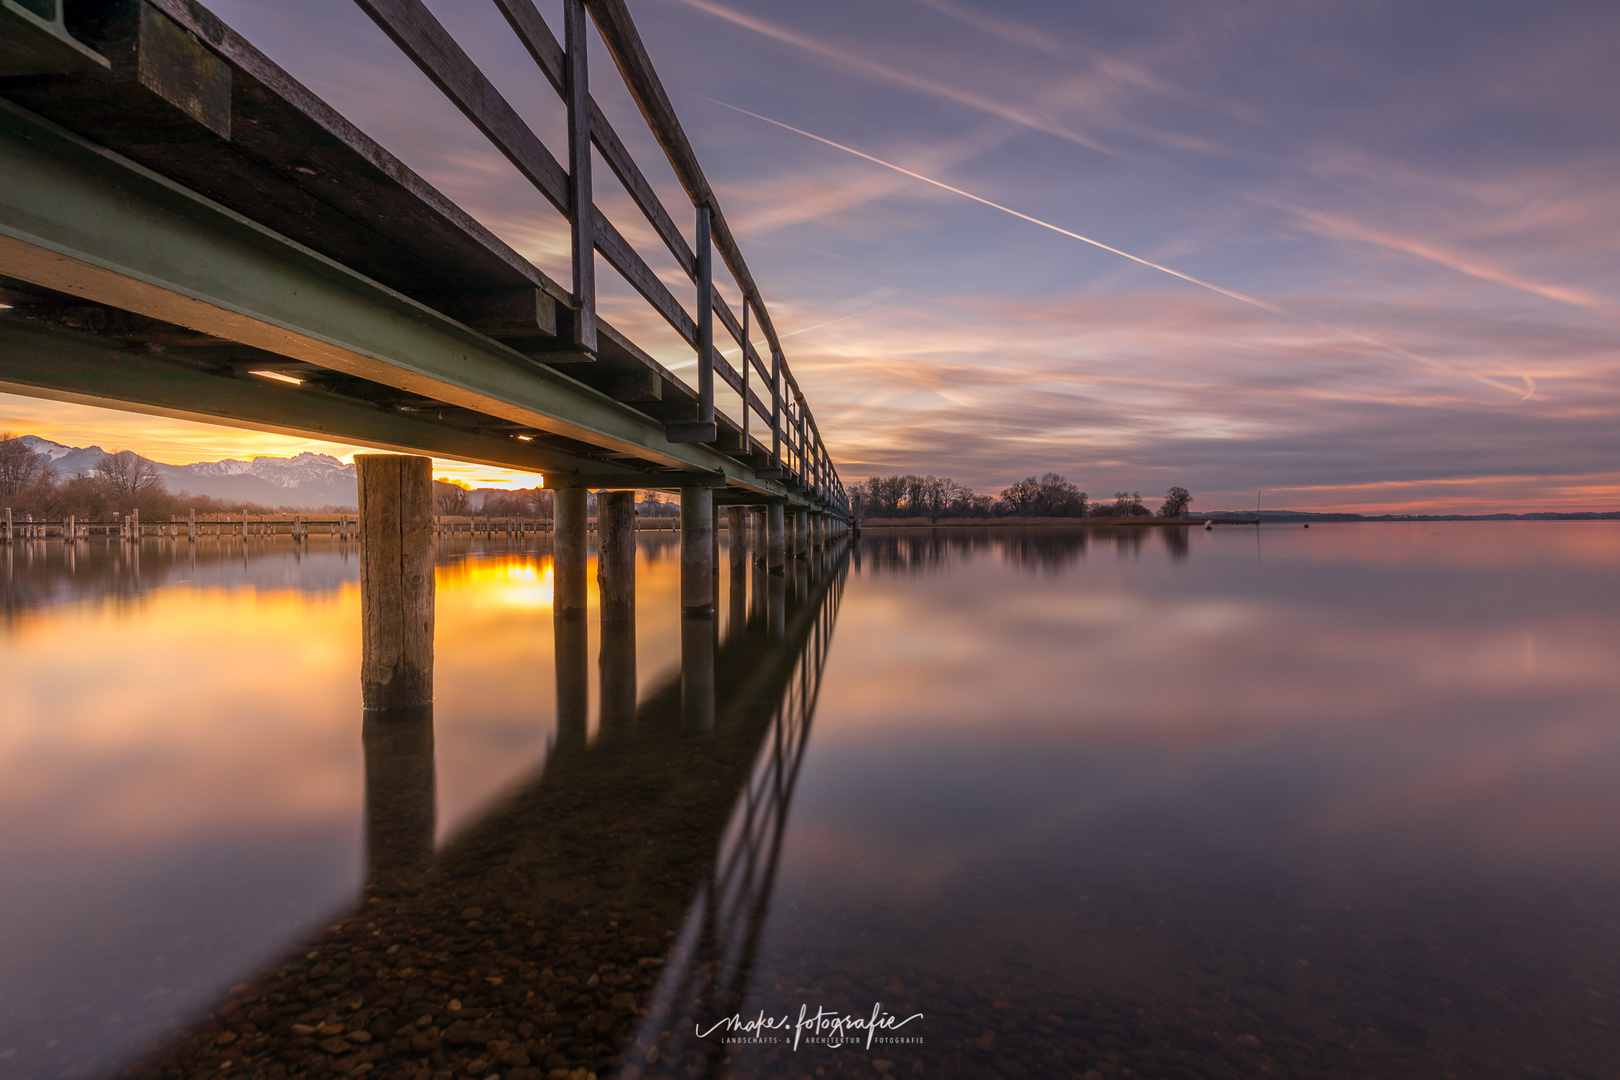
776 408
705 317
580 206
746 408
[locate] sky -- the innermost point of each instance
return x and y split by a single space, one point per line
1346 255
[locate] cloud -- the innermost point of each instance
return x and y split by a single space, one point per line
1471 265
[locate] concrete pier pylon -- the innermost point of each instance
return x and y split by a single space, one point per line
568 554
616 554
396 580
697 551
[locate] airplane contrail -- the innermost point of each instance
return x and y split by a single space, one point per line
1529 384
1007 210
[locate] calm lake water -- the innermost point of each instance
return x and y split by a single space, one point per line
1326 802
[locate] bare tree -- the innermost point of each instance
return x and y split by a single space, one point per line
20 467
450 499
1176 501
127 476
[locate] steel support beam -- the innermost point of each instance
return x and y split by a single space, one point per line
84 221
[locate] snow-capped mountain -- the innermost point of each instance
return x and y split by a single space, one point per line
305 480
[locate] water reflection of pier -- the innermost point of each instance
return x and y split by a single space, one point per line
623 888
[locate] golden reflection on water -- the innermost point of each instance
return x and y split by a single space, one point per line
188 709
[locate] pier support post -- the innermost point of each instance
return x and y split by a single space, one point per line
697 551
616 554
818 529
756 515
6 536
191 525
400 799
568 552
737 536
396 580
801 534
775 539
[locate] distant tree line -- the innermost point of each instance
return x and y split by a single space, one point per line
114 486
1047 495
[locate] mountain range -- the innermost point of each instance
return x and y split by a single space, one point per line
305 481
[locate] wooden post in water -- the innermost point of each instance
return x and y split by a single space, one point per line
135 525
396 580
758 514
775 538
568 552
191 525
6 536
616 554
697 551
801 534
737 536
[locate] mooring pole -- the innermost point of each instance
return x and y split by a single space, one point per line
396 580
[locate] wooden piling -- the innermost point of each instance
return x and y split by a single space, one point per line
396 580
697 551
568 551
776 538
616 554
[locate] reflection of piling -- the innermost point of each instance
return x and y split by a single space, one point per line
801 534
572 648
396 580
400 799
737 600
775 538
568 552
616 554
697 551
697 672
616 667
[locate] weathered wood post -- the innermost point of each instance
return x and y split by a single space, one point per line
135 525
737 536
737 598
191 525
396 580
616 554
568 554
697 551
818 529
401 806
775 538
6 535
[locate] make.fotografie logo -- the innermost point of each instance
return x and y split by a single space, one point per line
819 1028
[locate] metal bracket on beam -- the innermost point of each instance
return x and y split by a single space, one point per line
692 433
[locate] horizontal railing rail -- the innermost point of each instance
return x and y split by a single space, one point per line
796 452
